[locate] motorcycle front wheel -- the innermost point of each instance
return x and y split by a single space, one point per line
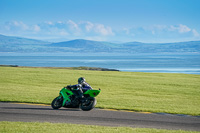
88 104
57 103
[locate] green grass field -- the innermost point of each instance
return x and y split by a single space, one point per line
148 92
36 127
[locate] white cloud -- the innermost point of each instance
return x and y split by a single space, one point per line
166 30
63 33
183 28
21 25
59 22
49 22
36 28
195 33
100 28
126 30
95 31
159 33
60 28
180 28
96 28
89 26
16 25
73 25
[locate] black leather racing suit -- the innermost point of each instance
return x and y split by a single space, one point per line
80 88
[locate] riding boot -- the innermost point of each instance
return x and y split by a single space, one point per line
80 94
81 97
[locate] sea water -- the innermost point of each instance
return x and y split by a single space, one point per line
165 63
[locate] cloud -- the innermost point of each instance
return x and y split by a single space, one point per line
16 25
83 28
180 28
49 22
184 28
21 25
99 29
126 30
70 29
196 34
162 29
89 26
60 29
160 33
74 27
36 28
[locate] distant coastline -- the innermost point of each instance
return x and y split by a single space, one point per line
28 45
73 68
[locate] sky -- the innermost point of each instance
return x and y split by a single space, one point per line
150 21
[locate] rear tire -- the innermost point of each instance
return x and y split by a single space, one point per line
88 104
57 103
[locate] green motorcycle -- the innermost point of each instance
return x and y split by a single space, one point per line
68 98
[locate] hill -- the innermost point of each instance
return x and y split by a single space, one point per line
9 40
84 46
16 44
180 47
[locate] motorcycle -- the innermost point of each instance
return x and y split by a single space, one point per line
68 98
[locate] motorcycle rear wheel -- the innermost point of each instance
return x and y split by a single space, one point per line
57 103
88 104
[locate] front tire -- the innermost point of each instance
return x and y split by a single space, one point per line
88 104
57 103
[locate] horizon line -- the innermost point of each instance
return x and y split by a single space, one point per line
115 42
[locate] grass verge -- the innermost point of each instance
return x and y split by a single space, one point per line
147 92
36 127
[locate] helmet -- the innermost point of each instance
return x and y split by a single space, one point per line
81 80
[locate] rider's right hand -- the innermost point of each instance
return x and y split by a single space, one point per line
69 87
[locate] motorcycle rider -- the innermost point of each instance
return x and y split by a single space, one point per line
81 87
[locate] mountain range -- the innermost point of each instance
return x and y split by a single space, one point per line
24 45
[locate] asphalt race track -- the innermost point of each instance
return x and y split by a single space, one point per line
40 113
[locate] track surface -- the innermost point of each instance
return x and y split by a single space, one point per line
32 113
